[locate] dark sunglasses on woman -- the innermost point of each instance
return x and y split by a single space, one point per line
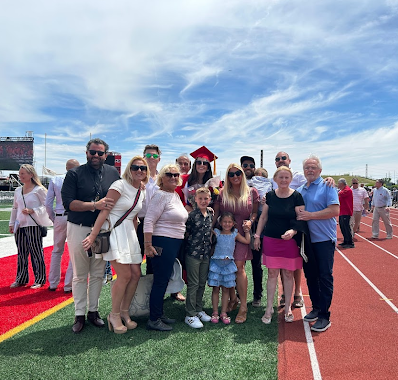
237 173
134 168
175 175
199 162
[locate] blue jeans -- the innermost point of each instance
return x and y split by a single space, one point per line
319 274
162 269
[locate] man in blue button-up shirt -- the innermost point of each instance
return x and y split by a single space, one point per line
321 210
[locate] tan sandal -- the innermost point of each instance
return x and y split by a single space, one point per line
232 305
242 316
125 317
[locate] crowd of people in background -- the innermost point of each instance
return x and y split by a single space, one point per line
287 223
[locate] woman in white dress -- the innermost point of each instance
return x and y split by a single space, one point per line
125 253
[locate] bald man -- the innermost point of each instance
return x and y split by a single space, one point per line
59 218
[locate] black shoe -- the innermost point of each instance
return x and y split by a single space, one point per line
348 246
321 325
166 320
68 291
158 325
312 316
79 323
95 319
343 243
52 289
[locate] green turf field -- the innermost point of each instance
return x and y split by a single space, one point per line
49 349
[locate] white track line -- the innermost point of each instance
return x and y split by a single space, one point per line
316 372
371 242
373 286
379 228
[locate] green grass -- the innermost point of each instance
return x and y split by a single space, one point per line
49 349
4 219
348 178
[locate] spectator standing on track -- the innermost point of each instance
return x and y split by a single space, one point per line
380 207
58 216
346 210
361 203
84 196
321 210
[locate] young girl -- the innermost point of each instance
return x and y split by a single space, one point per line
222 265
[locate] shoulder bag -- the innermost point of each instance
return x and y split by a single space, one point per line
101 243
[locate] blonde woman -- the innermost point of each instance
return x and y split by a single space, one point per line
242 201
125 252
164 229
28 213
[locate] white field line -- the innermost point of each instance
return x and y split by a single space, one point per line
316 372
373 286
371 231
371 242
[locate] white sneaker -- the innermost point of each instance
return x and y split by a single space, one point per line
203 316
193 322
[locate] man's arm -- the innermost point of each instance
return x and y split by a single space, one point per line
50 201
327 213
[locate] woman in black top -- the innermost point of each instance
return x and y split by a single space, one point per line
280 250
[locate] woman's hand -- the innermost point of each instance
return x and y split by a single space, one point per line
263 200
88 242
150 251
288 234
247 224
11 229
257 243
27 211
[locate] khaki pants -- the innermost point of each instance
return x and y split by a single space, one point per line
84 269
384 214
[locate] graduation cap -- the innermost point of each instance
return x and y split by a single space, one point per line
203 152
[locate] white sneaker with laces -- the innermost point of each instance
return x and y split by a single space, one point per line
193 322
203 316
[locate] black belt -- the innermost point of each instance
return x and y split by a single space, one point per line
64 214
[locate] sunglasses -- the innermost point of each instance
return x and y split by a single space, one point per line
154 155
355 183
175 175
93 152
199 162
251 166
283 158
135 168
232 174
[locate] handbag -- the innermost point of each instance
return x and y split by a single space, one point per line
139 306
101 243
43 229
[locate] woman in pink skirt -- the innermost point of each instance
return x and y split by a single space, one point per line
280 250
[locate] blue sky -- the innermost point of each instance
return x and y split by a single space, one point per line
237 76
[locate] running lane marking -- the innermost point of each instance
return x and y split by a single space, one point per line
311 347
371 242
373 286
34 320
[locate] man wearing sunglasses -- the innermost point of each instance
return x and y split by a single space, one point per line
361 203
249 166
152 156
84 196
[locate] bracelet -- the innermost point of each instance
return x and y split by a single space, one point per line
257 236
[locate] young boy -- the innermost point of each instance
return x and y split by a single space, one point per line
197 257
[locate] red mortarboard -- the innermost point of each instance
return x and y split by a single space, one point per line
205 153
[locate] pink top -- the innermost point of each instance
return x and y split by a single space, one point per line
242 251
166 215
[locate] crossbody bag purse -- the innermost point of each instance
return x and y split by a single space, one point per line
101 243
43 229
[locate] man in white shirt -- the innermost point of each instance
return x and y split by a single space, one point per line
381 202
59 217
361 203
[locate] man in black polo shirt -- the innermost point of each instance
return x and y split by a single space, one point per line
84 195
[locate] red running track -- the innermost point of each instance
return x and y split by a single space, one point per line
362 342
